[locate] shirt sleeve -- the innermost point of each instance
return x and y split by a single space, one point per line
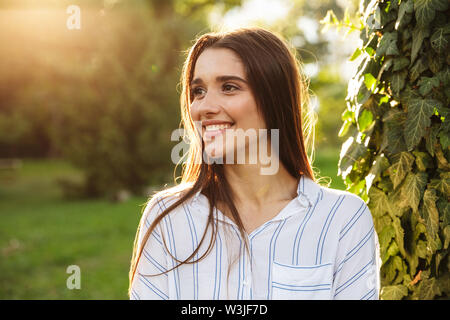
153 259
357 268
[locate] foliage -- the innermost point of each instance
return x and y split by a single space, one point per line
397 153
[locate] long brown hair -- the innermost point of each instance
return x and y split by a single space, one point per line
281 92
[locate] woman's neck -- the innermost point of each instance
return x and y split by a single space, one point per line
256 190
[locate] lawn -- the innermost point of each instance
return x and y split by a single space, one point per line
41 234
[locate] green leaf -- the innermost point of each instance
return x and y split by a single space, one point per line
431 212
423 160
398 81
380 164
388 45
443 184
421 249
355 54
385 237
428 289
446 237
435 62
392 250
444 138
418 119
378 203
426 84
400 63
419 66
351 151
424 12
440 5
382 222
399 235
365 118
401 165
413 187
393 264
404 14
431 138
393 139
418 35
439 41
394 292
370 81
344 129
444 75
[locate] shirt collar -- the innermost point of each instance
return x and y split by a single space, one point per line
307 192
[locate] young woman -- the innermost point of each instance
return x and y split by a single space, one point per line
231 231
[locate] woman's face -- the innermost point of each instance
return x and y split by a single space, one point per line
222 96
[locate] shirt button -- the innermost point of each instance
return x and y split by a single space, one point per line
245 282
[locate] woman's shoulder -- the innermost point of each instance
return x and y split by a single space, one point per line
162 199
348 204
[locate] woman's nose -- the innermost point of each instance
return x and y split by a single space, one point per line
209 105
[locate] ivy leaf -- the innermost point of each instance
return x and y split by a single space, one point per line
413 187
355 54
423 160
404 14
385 237
426 84
351 151
419 33
393 139
431 213
446 237
370 81
398 81
443 184
425 12
391 251
399 235
400 63
435 62
418 119
388 44
439 41
444 75
401 165
431 138
419 66
421 249
394 292
444 138
365 118
378 202
380 164
428 289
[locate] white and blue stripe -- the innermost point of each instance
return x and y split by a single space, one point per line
322 245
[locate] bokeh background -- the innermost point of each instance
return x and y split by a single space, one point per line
86 116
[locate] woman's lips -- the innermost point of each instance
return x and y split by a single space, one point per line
208 135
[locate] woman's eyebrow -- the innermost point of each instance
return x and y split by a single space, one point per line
220 79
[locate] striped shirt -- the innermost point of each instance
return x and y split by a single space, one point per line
321 245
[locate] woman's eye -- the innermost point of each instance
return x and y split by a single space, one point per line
229 88
197 92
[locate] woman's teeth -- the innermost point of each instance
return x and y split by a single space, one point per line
217 127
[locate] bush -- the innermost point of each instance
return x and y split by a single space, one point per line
397 155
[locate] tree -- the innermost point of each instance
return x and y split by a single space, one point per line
397 153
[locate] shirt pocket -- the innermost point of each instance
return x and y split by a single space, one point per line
301 282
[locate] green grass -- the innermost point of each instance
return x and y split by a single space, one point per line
325 164
41 234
